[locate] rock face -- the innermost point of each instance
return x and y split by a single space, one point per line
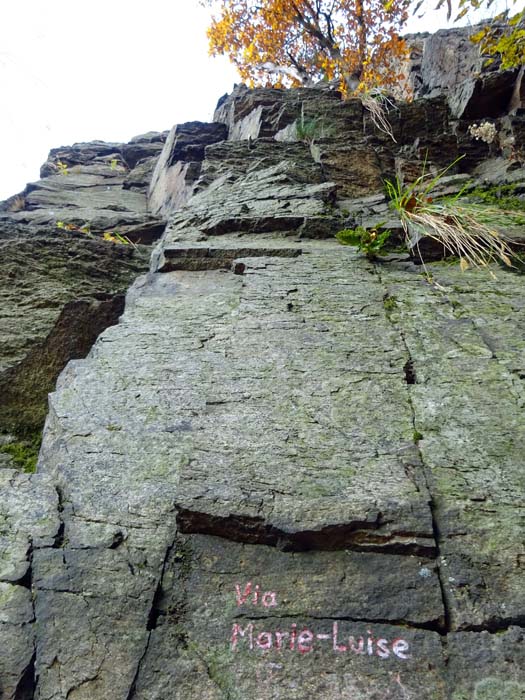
59 288
288 471
449 63
179 165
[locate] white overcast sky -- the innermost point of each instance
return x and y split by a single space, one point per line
104 69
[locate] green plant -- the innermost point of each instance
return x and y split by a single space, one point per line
502 197
111 236
24 452
308 129
62 167
371 241
73 227
389 304
116 237
468 230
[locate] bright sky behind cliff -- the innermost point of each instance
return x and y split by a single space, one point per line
104 69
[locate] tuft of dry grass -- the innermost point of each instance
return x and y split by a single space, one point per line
464 231
379 104
472 232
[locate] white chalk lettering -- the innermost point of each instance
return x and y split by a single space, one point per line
399 646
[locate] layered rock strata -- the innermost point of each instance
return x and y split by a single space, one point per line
287 471
61 287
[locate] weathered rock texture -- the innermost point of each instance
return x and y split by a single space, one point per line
287 472
449 63
60 289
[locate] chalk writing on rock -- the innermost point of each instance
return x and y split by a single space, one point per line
251 637
306 640
252 594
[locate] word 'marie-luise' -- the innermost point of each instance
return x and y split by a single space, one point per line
249 636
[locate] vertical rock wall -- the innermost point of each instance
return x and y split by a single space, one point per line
288 471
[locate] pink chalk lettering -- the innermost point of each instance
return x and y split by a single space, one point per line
269 600
304 641
293 636
399 646
242 597
359 649
253 594
238 631
279 637
264 640
335 645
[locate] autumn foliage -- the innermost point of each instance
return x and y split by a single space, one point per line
501 37
291 42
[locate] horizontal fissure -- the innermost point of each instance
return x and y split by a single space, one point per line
352 535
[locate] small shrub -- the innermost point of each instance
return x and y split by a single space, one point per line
371 242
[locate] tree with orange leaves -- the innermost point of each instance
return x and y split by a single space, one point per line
291 42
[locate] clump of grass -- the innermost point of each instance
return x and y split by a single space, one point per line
308 129
470 231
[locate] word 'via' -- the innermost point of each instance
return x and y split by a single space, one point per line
253 594
305 641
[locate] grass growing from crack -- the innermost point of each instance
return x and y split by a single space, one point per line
468 230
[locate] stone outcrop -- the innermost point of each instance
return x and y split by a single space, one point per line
449 63
59 288
287 471
179 165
